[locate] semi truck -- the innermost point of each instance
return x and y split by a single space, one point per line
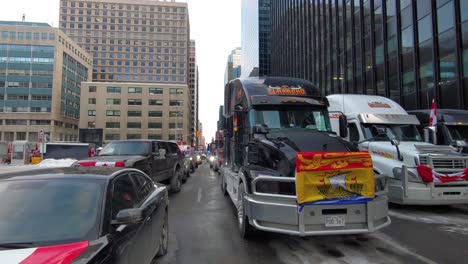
276 129
420 173
451 127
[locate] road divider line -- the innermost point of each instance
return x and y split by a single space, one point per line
199 194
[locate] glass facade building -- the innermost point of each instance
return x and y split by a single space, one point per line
410 51
255 38
41 71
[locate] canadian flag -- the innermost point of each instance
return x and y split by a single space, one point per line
429 175
433 116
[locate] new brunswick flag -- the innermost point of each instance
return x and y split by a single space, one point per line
333 175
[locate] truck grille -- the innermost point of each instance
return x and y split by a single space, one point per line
443 163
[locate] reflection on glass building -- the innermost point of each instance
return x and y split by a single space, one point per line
410 51
256 33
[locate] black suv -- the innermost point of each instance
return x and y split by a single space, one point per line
161 160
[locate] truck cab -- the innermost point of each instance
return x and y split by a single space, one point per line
451 128
382 127
269 121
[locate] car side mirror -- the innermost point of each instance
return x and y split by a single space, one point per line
395 142
129 216
260 129
343 126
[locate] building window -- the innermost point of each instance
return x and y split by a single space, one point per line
112 125
134 114
176 103
112 137
155 102
134 90
112 89
176 114
156 90
133 136
154 136
172 137
91 100
39 122
15 122
176 91
41 98
155 114
112 101
20 135
92 89
113 113
91 112
133 125
91 124
134 101
155 125
176 125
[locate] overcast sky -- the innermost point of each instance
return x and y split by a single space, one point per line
215 25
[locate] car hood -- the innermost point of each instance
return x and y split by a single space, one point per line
58 254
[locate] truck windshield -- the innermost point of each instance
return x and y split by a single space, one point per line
458 132
303 117
126 148
399 132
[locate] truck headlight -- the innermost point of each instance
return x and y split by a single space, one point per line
397 171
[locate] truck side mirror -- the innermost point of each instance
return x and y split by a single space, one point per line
430 135
260 129
379 131
343 126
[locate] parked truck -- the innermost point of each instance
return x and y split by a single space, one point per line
273 124
451 128
421 173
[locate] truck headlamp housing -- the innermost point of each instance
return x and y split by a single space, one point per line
412 177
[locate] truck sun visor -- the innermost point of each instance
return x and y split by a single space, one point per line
333 175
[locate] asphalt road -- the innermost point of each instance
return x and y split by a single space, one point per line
203 229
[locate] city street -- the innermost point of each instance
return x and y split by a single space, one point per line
203 229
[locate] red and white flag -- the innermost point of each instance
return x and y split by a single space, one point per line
429 175
433 116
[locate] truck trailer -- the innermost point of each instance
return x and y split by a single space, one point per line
277 136
420 173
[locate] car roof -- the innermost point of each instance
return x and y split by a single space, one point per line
85 173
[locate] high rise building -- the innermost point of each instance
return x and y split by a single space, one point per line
233 66
409 51
41 70
193 87
143 43
255 38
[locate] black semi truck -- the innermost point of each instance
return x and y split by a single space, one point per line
268 121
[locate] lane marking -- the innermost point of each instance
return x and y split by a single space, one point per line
199 194
393 244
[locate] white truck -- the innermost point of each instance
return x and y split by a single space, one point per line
382 127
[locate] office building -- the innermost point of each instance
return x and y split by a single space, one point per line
409 51
255 38
41 70
142 43
193 88
233 66
136 110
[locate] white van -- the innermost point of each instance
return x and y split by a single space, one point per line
389 133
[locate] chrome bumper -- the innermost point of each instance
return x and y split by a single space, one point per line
280 214
406 192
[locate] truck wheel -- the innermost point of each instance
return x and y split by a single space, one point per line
176 182
245 229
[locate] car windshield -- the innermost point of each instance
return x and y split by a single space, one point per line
458 132
398 132
46 211
126 148
299 117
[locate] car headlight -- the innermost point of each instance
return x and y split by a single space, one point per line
397 171
212 158
191 158
198 157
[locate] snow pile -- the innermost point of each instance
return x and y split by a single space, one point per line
54 163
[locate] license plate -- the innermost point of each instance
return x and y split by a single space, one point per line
334 220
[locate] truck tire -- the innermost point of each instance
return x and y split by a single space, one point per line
176 181
245 229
